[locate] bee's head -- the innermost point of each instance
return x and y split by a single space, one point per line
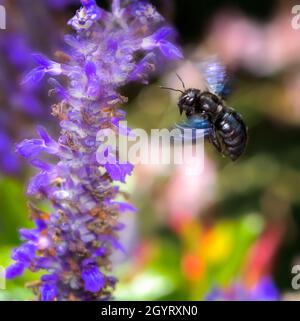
188 101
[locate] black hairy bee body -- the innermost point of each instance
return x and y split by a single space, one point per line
206 110
228 132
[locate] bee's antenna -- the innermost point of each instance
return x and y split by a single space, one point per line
168 88
183 85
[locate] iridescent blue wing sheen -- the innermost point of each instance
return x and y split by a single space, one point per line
216 77
193 128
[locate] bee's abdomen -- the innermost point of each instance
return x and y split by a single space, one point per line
232 130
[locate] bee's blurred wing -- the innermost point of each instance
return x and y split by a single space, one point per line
215 76
192 129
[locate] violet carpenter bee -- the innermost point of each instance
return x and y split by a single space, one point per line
206 110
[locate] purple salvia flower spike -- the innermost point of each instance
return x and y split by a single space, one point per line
74 242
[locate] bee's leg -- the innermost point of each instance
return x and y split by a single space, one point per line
213 138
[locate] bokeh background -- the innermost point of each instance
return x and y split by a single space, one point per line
229 232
